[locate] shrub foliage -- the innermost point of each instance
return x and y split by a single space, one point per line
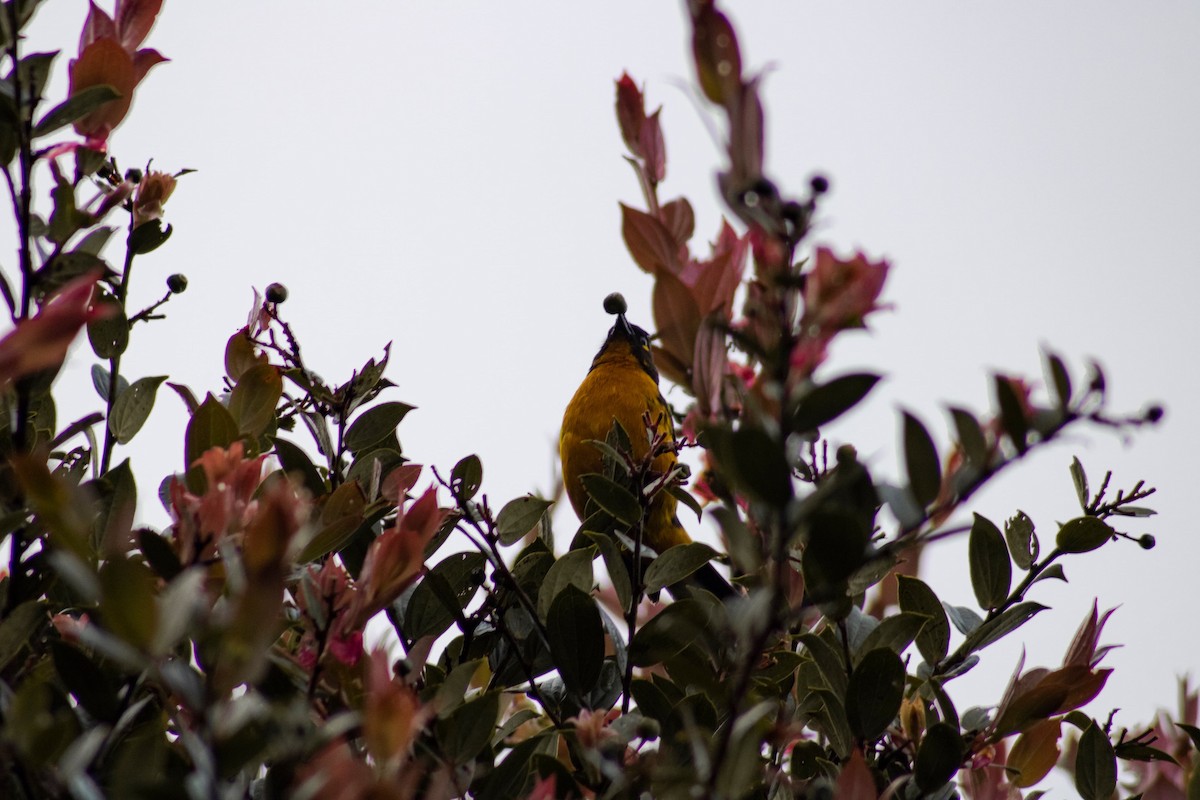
224 656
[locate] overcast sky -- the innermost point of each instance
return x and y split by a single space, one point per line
446 176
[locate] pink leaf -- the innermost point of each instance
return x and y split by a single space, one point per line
98 25
134 19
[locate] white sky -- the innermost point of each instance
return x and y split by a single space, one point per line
446 175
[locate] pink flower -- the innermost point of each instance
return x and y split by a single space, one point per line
839 294
108 54
41 342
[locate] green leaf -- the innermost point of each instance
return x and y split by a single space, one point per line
1128 751
921 461
837 547
149 236
573 569
1054 571
1012 413
518 518
1083 534
133 407
375 424
180 605
685 498
966 620
294 460
159 554
84 679
75 107
874 693
971 437
1060 379
18 629
754 462
670 632
341 515
576 637
510 775
613 498
939 757
128 608
826 402
466 478
991 570
618 573
241 355
934 639
1095 765
1079 478
431 609
1022 540
94 241
895 632
829 661
1193 733
1000 626
211 426
101 378
109 335
676 563
253 399
831 719
452 691
469 729
119 503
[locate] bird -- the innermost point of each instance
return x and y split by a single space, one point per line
622 386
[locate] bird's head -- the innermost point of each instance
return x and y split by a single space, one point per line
625 340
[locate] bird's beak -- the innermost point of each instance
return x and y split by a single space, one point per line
623 327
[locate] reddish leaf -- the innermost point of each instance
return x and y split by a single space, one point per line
677 316
143 60
41 341
679 219
715 281
653 148
98 25
1035 753
855 781
103 62
715 48
746 136
649 241
134 20
631 113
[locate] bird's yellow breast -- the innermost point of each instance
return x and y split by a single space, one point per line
617 387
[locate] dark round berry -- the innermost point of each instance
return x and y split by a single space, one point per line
648 729
1146 541
1154 413
177 283
819 184
477 575
277 293
133 175
615 304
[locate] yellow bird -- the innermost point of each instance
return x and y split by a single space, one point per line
622 384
